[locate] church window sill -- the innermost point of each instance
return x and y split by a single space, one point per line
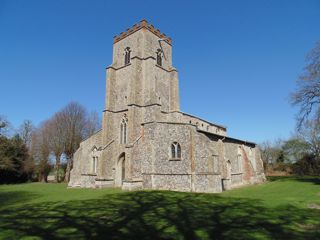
175 159
89 174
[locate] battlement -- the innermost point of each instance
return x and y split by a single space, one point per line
142 24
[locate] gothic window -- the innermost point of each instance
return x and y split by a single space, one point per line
94 164
123 131
159 57
127 52
175 150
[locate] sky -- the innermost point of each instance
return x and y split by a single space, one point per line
238 61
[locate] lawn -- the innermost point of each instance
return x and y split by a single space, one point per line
283 208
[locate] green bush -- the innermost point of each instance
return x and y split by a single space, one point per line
307 165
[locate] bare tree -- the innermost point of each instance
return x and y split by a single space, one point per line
74 121
310 133
93 123
270 152
25 132
40 151
307 95
62 134
56 140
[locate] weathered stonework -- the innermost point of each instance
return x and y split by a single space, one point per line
146 142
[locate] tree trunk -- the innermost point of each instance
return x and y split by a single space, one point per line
68 170
57 168
39 177
43 177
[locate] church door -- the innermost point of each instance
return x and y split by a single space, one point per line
226 182
120 171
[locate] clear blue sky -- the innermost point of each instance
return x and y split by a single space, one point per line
237 60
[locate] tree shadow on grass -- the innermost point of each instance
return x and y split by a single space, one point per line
310 179
159 215
8 198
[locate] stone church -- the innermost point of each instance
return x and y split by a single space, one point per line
146 142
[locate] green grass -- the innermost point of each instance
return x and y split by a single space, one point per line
279 209
296 191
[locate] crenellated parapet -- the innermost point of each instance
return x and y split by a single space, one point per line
142 24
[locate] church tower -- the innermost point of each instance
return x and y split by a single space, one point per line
141 82
141 76
141 72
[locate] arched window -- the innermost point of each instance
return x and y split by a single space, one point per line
123 131
127 56
94 164
159 57
175 150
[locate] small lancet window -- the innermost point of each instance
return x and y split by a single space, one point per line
175 150
94 164
159 57
123 131
127 52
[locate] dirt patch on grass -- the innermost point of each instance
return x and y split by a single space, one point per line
309 227
314 206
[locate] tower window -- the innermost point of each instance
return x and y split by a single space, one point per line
159 57
123 131
175 150
127 52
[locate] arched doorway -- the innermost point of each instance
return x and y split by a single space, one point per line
120 170
226 182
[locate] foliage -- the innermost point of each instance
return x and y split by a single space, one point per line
271 152
59 136
297 155
294 149
25 132
307 165
13 157
5 126
276 210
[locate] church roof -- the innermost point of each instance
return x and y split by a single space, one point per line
142 24
231 139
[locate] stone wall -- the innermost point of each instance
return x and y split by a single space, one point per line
82 173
